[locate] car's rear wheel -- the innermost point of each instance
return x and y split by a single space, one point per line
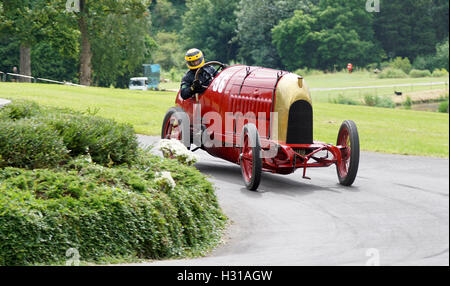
348 141
250 157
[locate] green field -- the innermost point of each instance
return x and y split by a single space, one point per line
381 130
356 79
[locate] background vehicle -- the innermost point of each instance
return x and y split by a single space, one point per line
138 83
244 90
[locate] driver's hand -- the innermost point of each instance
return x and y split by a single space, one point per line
196 85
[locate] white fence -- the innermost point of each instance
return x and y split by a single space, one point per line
3 77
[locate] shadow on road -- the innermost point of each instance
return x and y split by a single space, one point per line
288 185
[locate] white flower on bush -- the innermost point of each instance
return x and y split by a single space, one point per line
175 149
164 180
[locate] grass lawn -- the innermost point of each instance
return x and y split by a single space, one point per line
381 130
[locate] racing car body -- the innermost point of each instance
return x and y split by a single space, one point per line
261 119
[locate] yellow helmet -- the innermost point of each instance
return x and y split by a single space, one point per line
194 59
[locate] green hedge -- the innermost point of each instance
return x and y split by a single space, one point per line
108 142
392 73
25 143
419 73
105 213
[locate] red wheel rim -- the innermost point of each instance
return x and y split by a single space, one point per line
172 129
247 159
344 142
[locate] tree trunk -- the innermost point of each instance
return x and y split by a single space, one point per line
25 62
86 53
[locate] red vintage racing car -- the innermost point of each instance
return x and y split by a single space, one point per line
261 119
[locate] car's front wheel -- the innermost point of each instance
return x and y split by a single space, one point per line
348 142
250 157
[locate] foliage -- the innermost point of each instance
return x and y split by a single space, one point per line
326 37
210 25
168 53
419 73
116 212
401 64
439 73
378 101
438 60
408 28
443 107
29 144
108 142
120 48
255 20
341 99
392 73
408 103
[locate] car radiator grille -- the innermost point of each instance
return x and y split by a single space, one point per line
300 123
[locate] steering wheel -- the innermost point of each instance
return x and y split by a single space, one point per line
222 66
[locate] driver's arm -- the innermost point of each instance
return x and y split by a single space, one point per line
186 83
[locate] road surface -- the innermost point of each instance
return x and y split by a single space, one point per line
396 213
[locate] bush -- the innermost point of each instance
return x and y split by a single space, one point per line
439 73
108 142
28 144
443 107
105 213
19 109
408 103
308 72
419 73
392 73
401 64
378 101
341 99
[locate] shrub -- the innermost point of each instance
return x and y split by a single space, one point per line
419 73
28 144
439 73
443 107
408 103
105 140
105 213
378 101
341 99
308 72
392 73
401 64
19 110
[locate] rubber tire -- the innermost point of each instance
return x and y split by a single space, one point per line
255 180
169 114
354 153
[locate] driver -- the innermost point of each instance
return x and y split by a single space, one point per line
189 86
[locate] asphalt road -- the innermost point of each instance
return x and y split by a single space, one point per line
396 213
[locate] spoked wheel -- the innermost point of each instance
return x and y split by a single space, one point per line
172 126
250 157
348 140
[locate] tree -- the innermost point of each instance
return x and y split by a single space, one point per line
210 25
406 28
28 21
255 20
91 16
120 48
326 36
169 53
